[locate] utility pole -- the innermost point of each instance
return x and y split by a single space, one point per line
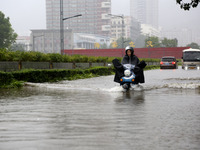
62 25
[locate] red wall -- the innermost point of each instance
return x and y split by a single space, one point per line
140 52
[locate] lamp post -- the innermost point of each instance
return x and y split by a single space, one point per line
122 17
62 19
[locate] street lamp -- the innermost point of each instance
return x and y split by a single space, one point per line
122 17
62 25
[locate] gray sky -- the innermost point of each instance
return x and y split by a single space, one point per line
30 14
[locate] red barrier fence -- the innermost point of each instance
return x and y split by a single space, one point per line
140 52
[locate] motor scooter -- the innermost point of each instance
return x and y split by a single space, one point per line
129 77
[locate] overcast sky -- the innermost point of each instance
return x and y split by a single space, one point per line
30 14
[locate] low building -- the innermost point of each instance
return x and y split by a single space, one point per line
48 41
23 42
148 30
89 41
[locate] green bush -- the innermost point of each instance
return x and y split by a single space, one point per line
7 81
152 67
40 76
54 57
6 55
67 58
5 78
17 78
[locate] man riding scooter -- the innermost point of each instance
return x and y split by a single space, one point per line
132 59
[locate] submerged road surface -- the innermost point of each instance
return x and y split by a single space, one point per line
95 114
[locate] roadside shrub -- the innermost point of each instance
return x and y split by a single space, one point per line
55 57
79 58
6 55
92 59
2 54
5 78
66 58
101 59
39 76
152 67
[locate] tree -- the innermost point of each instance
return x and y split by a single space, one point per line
152 42
193 45
17 47
140 41
7 34
125 40
103 46
187 6
169 42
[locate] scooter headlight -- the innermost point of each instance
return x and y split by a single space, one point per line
127 73
186 67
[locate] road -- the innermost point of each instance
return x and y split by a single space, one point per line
96 114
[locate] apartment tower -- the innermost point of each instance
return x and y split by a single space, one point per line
145 11
94 18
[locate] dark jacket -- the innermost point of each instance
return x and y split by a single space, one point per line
119 70
130 60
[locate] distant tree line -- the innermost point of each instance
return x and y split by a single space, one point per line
150 41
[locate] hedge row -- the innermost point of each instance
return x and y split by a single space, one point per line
16 79
6 55
40 76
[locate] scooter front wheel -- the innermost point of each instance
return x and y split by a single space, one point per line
126 86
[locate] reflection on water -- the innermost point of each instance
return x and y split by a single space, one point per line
135 97
83 115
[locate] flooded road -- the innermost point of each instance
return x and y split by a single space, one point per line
95 114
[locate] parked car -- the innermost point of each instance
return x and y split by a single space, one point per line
168 62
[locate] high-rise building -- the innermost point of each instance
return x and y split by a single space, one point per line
145 11
130 28
94 19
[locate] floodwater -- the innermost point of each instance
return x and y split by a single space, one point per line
95 114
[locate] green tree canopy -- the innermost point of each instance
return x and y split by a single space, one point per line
188 5
140 41
193 45
7 34
126 42
17 47
169 42
103 46
152 42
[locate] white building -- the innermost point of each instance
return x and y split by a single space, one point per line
24 41
88 41
126 25
148 30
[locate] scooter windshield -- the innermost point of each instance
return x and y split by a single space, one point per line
128 66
